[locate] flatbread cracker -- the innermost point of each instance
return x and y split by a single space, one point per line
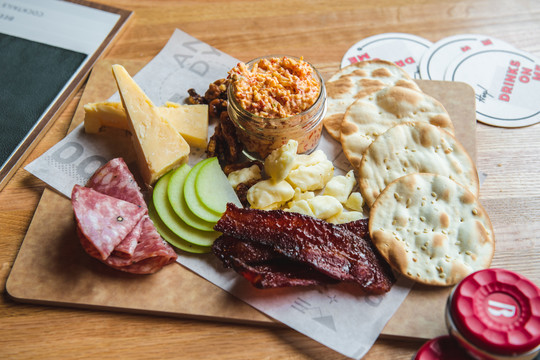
431 229
414 148
355 81
372 115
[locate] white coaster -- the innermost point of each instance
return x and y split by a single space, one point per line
506 82
436 59
405 50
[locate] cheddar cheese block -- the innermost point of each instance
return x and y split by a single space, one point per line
104 114
191 121
158 146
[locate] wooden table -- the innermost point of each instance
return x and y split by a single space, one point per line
321 31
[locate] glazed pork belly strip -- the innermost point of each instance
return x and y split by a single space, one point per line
341 252
263 267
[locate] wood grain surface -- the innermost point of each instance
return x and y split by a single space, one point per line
321 31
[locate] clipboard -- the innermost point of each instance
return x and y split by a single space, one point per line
38 79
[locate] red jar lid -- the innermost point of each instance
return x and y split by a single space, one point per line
441 348
498 311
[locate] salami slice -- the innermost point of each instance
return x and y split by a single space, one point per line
127 247
113 222
115 179
104 221
150 255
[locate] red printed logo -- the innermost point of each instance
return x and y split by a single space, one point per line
487 42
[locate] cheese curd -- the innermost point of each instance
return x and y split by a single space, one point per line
345 217
294 181
302 195
321 206
324 206
355 202
269 195
280 161
309 159
244 175
341 186
311 172
301 207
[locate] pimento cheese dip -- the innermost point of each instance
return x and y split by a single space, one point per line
274 99
275 87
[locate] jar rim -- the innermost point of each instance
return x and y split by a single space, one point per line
322 94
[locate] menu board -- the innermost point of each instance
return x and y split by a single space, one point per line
47 49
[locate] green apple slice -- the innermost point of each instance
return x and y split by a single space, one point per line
171 237
173 221
192 200
175 192
213 188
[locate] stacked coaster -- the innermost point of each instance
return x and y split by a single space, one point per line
506 80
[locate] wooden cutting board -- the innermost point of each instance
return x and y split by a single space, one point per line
51 267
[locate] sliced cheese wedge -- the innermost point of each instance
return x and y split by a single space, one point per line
158 146
191 121
105 114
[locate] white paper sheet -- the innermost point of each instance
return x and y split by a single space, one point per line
340 317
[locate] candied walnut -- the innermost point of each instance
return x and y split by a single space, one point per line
217 90
224 143
229 133
242 189
195 98
216 107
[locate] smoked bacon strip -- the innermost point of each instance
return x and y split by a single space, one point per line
263 267
338 251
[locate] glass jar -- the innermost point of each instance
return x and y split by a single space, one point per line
260 135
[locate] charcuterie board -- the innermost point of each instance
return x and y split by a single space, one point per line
52 268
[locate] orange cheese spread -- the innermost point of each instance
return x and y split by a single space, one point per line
275 87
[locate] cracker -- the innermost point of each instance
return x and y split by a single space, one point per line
431 229
372 115
355 81
414 147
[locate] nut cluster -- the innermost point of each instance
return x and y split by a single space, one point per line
224 142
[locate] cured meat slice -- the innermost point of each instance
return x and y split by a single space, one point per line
127 247
104 221
115 179
335 250
113 223
150 255
146 266
263 267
